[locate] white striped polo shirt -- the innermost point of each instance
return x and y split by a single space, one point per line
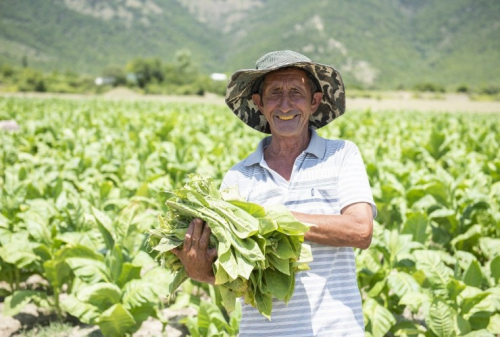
328 176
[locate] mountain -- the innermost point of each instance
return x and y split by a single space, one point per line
374 44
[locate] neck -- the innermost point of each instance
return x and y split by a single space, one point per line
287 148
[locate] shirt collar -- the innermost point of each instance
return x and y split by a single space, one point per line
316 147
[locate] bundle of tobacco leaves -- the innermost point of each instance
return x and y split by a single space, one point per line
259 249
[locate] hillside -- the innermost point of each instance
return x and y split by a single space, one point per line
375 44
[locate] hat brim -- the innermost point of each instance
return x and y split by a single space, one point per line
239 95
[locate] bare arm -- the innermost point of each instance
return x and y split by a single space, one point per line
353 228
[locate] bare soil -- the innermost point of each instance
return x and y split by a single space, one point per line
393 101
33 319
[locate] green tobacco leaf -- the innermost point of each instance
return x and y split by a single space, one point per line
417 225
85 312
440 319
116 321
287 222
494 324
247 248
277 283
142 313
209 314
264 303
440 192
153 275
455 288
255 210
414 300
39 229
79 252
43 251
381 320
406 328
228 298
114 262
89 270
282 265
402 283
123 226
139 292
472 304
285 249
267 226
105 188
105 226
56 271
495 269
221 275
479 333
378 284
230 265
473 276
468 239
129 272
480 320
490 247
462 325
19 253
436 271
245 266
101 295
16 302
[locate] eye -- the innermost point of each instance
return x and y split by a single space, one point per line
275 93
295 93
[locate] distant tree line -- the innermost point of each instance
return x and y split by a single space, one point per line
147 75
154 76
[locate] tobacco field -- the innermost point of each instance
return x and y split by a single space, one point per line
82 182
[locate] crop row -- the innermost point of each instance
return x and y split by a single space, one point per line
82 181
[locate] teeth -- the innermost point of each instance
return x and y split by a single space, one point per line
285 118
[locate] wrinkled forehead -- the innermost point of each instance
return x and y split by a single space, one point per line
286 75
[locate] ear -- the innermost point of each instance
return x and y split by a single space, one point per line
316 100
257 101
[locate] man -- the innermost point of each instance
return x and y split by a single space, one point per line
323 182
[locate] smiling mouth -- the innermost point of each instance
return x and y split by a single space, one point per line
286 118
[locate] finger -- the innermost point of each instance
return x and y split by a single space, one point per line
205 238
176 251
188 237
212 253
198 229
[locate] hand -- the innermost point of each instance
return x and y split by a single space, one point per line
195 255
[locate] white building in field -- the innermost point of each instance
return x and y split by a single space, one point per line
218 77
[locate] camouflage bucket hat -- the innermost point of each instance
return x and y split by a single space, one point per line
243 85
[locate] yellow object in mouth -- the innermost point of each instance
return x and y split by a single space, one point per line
285 118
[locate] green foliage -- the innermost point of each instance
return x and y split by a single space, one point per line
29 79
413 42
82 181
259 249
429 87
150 76
430 263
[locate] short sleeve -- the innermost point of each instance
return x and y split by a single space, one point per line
354 185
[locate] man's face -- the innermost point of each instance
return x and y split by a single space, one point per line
287 102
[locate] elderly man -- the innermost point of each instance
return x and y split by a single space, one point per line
323 182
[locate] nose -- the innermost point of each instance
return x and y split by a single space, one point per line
285 104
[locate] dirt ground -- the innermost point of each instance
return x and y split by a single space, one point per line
31 318
395 101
